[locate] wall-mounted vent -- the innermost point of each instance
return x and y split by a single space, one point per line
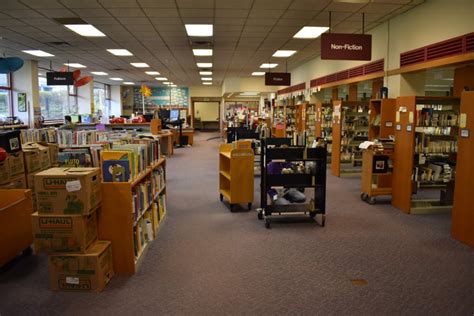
202 43
65 21
451 47
59 44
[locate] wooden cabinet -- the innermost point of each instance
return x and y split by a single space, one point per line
121 222
463 210
426 135
236 174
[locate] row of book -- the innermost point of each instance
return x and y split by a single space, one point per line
158 179
427 145
88 156
47 135
433 173
86 137
430 117
142 198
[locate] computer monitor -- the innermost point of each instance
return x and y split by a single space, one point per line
75 119
174 115
164 114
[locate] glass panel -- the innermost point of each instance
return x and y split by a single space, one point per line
4 80
99 99
4 103
55 101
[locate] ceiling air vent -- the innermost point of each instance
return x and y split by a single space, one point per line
65 21
117 69
59 44
201 43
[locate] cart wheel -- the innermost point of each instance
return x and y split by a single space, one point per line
249 206
267 223
232 207
312 214
371 200
221 197
363 196
323 220
260 215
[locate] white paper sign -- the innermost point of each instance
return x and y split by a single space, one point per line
72 280
73 186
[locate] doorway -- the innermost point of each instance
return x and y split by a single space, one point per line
206 115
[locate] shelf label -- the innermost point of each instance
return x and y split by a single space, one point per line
72 280
389 124
411 117
465 133
463 120
409 128
399 127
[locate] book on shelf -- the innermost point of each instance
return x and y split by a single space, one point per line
139 155
75 158
86 137
116 171
47 135
121 155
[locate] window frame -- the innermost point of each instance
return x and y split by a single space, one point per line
8 87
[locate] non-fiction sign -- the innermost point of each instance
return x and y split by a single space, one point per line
277 79
340 46
59 79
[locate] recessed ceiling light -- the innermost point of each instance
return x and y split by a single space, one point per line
116 79
202 52
258 73
99 73
161 78
167 82
173 85
268 65
37 52
75 65
204 65
140 65
152 73
205 73
206 79
284 53
120 52
85 30
128 82
311 31
207 83
200 30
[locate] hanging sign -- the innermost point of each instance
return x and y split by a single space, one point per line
59 78
340 46
277 78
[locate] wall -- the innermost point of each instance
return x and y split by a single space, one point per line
26 80
85 98
115 101
430 22
207 111
247 84
205 91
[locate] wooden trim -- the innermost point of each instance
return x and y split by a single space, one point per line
353 80
459 59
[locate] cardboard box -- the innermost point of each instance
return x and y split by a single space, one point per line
10 141
88 272
16 182
36 157
68 190
30 180
63 233
4 171
17 163
53 153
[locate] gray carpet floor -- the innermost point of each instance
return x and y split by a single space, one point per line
208 261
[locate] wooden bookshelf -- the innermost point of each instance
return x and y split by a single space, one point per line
350 126
407 182
117 221
462 227
310 123
381 118
236 173
323 120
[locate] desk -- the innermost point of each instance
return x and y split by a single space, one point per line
188 131
166 141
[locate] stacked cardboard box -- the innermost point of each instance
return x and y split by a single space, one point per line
12 169
36 159
65 227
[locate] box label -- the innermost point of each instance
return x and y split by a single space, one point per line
83 285
56 183
55 222
72 280
73 186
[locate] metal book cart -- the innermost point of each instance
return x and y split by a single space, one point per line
272 150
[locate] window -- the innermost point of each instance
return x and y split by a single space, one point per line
102 98
55 101
5 92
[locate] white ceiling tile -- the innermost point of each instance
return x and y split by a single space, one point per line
198 20
232 4
227 28
12 4
138 28
272 4
299 14
259 21
42 4
232 13
257 28
157 4
345 6
58 13
10 22
393 1
162 12
335 15
119 3
134 21
128 13
195 4
166 21
83 4
229 21
292 22
196 13
380 8
92 13
41 22
309 4
22 14
263 13
97 22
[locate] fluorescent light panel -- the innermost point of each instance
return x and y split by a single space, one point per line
86 30
161 78
116 79
205 73
128 82
99 73
268 65
37 52
207 83
167 82
140 65
258 73
311 31
119 52
204 65
250 93
152 73
206 79
202 52
199 30
75 65
284 53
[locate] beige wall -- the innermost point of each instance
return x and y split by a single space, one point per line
246 84
205 91
26 80
206 111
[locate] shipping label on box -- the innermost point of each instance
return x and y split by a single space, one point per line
17 164
88 272
68 190
4 171
65 234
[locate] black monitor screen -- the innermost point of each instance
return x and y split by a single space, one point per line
164 114
174 115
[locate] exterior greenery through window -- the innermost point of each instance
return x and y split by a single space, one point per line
102 98
56 101
5 91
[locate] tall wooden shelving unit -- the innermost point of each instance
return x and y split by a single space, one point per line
416 140
350 126
381 118
462 215
310 122
116 221
236 173
279 119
